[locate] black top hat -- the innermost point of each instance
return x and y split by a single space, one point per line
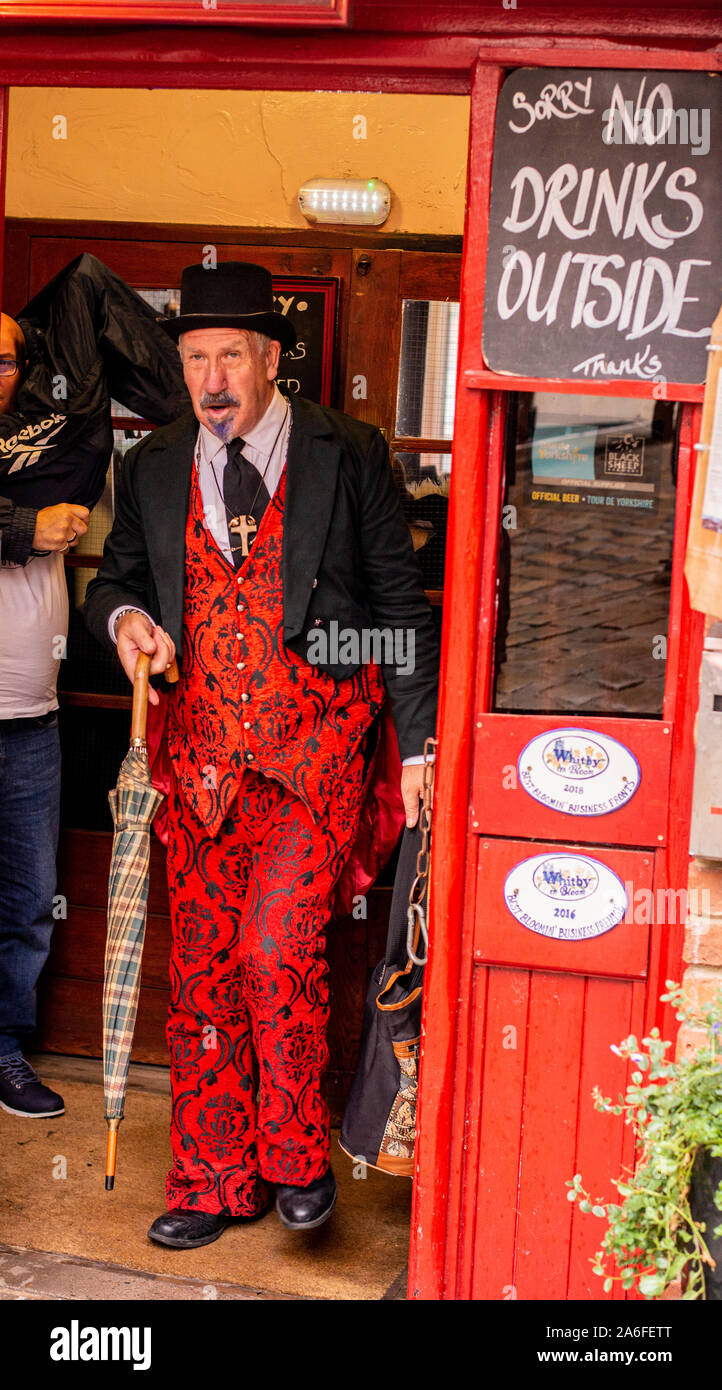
235 294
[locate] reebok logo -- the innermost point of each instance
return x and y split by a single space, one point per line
27 446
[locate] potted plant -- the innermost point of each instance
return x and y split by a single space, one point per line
659 1232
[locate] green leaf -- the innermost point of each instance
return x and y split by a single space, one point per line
599 1211
651 1285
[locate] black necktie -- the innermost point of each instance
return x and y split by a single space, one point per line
244 493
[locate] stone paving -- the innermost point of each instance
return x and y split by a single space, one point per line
62 1236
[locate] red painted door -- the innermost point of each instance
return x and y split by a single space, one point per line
563 798
572 842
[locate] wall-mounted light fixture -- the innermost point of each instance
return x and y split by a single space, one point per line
351 202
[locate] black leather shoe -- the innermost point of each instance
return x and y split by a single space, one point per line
23 1093
304 1208
186 1229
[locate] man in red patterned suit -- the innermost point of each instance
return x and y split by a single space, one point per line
248 537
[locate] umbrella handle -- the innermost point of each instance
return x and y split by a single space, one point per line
110 1153
140 694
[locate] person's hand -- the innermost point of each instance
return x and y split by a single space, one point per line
412 787
60 528
135 633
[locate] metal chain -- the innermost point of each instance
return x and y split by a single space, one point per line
416 912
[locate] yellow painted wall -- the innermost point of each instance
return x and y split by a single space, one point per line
230 158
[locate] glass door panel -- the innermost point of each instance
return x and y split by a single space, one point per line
424 428
427 369
585 555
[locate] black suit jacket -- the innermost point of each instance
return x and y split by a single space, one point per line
347 551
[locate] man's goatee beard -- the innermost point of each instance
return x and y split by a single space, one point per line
224 429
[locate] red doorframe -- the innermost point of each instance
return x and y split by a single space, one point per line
407 47
452 879
3 169
407 51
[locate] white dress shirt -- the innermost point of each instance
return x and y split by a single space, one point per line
265 447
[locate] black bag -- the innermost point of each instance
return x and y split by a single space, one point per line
379 1123
89 338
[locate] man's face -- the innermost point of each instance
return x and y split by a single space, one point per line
230 383
12 349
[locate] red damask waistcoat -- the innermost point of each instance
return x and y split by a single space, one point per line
243 699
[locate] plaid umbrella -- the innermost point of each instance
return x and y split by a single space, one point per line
133 804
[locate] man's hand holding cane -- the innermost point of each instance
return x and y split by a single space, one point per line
136 633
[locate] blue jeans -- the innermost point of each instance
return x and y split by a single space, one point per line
29 821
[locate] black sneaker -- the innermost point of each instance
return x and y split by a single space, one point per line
22 1092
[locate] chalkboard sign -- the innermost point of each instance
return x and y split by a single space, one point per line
310 304
605 235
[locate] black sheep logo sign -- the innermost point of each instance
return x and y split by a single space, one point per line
604 244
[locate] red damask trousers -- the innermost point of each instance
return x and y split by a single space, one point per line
249 991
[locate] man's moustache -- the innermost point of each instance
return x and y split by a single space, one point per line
224 398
